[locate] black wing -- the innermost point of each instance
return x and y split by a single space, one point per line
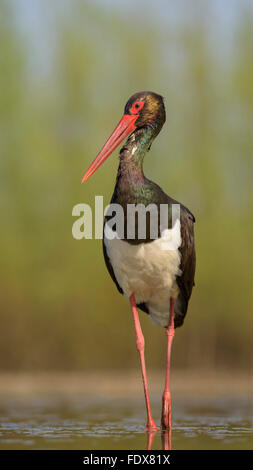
187 266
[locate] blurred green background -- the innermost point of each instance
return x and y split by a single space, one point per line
66 70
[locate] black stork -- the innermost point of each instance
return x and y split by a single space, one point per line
155 280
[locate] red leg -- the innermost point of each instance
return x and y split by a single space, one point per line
140 343
166 402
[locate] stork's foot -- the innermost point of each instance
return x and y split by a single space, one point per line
151 426
166 411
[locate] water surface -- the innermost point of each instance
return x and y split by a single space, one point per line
81 422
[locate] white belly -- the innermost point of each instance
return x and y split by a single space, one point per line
147 270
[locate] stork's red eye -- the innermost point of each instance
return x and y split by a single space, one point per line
136 107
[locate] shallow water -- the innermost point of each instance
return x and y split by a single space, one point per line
76 422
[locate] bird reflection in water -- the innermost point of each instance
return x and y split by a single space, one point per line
166 437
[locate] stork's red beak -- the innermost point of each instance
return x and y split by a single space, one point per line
125 126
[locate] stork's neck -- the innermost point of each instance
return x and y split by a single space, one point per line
132 155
